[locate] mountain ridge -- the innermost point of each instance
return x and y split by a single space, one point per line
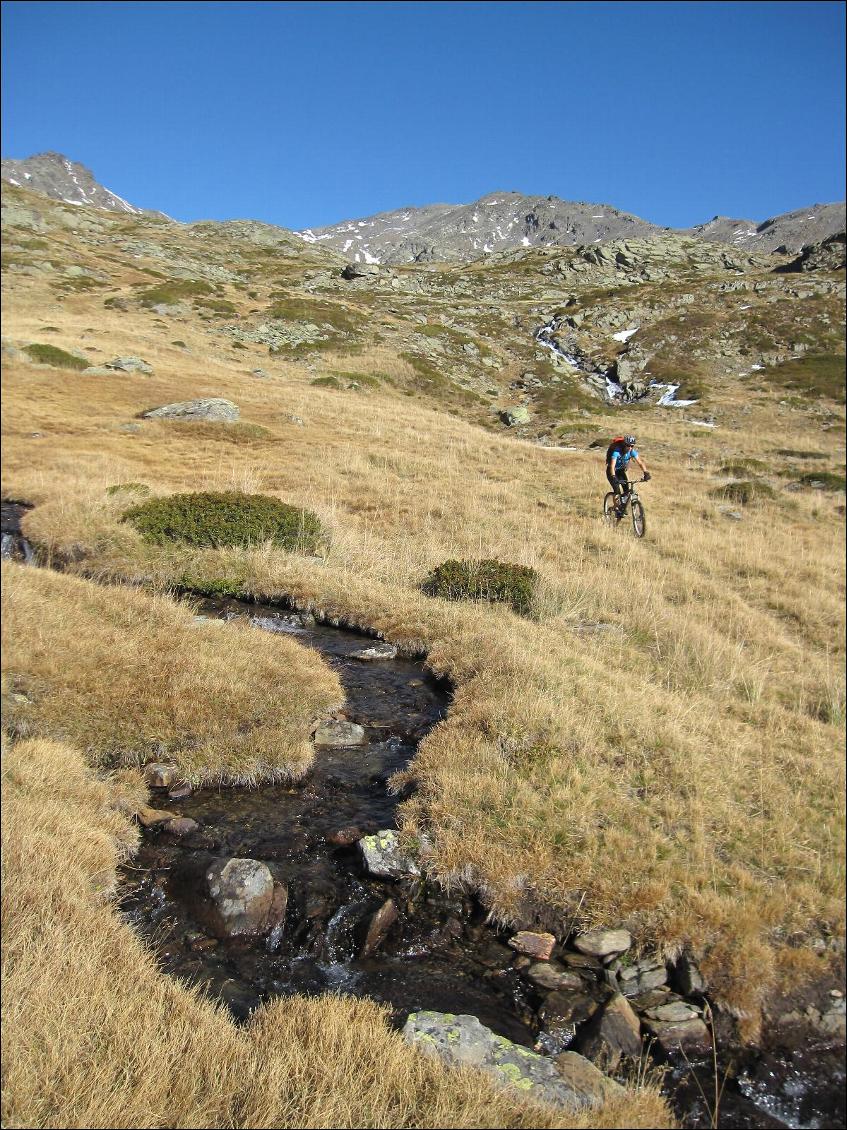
442 233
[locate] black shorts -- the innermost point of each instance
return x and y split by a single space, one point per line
619 483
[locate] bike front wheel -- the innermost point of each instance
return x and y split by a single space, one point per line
609 508
639 522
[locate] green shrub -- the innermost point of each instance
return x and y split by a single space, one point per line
58 358
179 344
793 453
175 291
737 467
744 491
326 382
228 518
130 488
491 580
821 374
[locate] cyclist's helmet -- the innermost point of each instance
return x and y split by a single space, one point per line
630 440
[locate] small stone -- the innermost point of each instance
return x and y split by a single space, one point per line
675 1013
566 1007
379 926
344 837
180 826
150 817
179 791
532 944
339 734
159 775
688 1036
603 943
548 975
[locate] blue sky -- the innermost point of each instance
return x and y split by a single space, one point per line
305 114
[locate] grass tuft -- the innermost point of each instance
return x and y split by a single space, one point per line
58 358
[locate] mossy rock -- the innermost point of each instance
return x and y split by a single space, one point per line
489 580
228 518
58 358
744 491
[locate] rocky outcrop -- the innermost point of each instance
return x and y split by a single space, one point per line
828 255
208 408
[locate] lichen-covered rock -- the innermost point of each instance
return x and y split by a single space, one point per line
382 855
207 408
464 1041
649 973
513 417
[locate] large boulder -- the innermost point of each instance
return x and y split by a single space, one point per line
603 943
464 1041
207 408
231 897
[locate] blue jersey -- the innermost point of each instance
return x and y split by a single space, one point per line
620 459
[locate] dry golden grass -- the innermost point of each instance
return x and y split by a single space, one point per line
678 769
223 704
95 1036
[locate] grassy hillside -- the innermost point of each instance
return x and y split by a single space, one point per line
658 746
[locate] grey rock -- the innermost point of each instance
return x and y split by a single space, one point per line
513 417
691 1036
686 975
648 974
612 1033
463 1041
129 365
339 734
231 897
551 975
603 943
360 270
209 408
382 855
675 1012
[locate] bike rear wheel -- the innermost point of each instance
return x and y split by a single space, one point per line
609 508
639 522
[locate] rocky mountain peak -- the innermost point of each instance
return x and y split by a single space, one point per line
62 179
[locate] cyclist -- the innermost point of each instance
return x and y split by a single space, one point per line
620 451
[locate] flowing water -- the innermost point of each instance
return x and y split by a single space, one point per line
440 953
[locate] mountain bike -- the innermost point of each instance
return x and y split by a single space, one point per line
613 513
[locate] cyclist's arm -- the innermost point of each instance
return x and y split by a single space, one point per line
640 464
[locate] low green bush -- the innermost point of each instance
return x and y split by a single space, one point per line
744 491
58 358
737 467
326 382
489 580
228 518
